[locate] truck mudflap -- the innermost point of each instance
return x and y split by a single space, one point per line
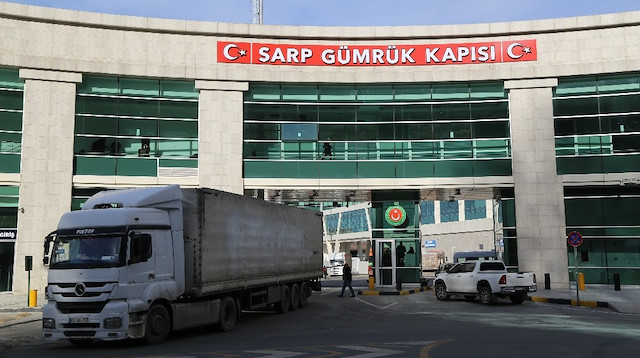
112 323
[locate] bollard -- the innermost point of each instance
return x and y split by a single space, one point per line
371 283
33 298
399 284
581 285
616 281
547 281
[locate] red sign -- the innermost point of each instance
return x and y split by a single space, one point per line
378 55
574 239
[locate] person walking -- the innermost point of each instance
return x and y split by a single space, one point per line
346 280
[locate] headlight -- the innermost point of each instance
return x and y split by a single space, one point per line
48 323
112 323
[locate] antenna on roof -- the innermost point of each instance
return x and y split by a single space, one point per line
256 12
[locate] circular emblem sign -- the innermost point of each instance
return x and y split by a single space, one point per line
395 215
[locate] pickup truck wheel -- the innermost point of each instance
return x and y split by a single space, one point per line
285 300
517 298
158 325
441 292
486 297
228 314
304 294
295 296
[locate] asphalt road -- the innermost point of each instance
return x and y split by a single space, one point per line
415 325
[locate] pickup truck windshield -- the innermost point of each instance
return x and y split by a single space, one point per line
84 251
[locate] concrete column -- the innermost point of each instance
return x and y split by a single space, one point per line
46 168
539 197
220 134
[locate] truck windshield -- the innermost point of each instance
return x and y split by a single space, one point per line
83 251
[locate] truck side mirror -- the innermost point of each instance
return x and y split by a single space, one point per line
48 240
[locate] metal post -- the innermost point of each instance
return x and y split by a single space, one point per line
547 281
575 261
616 281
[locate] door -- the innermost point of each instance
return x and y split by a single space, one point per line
386 268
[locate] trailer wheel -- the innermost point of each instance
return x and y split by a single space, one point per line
295 296
158 325
285 300
228 314
304 294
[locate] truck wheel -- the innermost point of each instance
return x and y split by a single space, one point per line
285 300
295 296
517 298
304 294
486 297
441 292
158 325
228 314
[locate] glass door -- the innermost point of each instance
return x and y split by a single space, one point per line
386 268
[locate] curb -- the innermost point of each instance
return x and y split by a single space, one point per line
565 301
391 293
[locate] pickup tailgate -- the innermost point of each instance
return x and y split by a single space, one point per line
520 282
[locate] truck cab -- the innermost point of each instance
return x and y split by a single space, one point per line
106 266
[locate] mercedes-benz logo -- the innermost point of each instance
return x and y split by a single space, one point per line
80 289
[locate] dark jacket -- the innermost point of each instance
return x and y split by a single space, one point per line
346 273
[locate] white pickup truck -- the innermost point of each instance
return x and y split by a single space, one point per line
487 280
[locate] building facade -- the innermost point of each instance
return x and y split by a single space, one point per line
541 117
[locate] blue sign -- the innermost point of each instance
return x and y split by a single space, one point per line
430 243
574 239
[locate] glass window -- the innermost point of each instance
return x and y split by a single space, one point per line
490 129
178 129
374 114
299 113
618 83
299 131
175 109
575 106
619 103
452 111
416 112
262 131
139 87
336 132
491 110
375 93
576 86
337 114
99 85
178 89
487 90
10 121
412 92
11 100
138 127
337 93
10 78
96 105
449 211
427 212
263 92
413 131
452 130
475 209
620 124
299 93
450 91
96 125
10 142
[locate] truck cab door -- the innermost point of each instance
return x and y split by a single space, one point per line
141 261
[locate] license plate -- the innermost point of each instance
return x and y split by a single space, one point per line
521 288
78 319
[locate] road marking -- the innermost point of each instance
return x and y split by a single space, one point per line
277 354
424 352
374 352
376 306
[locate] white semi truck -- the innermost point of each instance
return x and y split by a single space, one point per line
139 263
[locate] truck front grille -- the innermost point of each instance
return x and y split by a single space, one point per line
79 334
81 325
81 307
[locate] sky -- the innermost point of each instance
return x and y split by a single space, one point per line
350 12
